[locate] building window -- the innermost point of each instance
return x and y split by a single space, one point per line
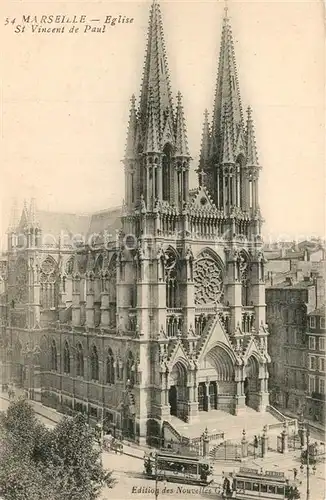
312 384
312 343
130 373
94 364
80 361
322 323
312 322
312 363
54 357
322 364
321 344
66 358
322 386
110 367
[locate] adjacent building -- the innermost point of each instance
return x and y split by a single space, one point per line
290 305
316 332
156 310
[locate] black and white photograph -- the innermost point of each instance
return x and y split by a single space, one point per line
162 250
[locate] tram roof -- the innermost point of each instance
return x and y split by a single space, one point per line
267 476
180 458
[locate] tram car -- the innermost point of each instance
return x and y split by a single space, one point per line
252 484
165 466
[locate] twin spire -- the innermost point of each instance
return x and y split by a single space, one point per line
157 122
228 136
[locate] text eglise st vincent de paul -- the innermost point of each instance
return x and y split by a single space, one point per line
64 24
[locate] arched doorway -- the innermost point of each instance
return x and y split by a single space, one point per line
251 382
222 387
178 392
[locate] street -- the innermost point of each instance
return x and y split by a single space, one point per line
128 471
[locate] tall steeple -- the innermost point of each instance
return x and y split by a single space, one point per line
227 94
230 170
156 81
157 155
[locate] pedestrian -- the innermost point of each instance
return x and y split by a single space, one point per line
295 473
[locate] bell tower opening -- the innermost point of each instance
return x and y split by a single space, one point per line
166 172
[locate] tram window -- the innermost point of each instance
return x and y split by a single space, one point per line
191 468
255 487
263 488
271 489
280 490
248 486
240 485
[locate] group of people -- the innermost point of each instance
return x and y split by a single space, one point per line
9 389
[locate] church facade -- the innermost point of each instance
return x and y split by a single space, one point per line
161 313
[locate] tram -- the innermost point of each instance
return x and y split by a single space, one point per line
251 484
165 466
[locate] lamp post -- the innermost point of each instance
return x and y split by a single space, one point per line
307 460
156 478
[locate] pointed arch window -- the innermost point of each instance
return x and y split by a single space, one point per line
94 364
48 284
166 172
66 358
171 278
130 372
80 361
54 356
110 379
244 278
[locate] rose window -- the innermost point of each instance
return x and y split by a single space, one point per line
208 282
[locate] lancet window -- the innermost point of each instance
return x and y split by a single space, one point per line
130 368
171 278
110 367
66 358
54 356
166 172
80 361
48 284
94 364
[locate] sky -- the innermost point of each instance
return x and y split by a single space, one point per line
65 101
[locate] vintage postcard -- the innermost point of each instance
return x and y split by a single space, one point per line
162 251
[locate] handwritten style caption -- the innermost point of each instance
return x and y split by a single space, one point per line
58 24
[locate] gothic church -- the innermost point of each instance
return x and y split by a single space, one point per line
166 321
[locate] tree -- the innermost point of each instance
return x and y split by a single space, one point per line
37 463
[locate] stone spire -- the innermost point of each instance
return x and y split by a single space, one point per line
152 143
132 131
251 150
227 95
205 143
156 75
181 141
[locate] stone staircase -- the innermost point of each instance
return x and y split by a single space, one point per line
223 426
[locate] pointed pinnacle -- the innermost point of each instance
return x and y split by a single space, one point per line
180 130
251 150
